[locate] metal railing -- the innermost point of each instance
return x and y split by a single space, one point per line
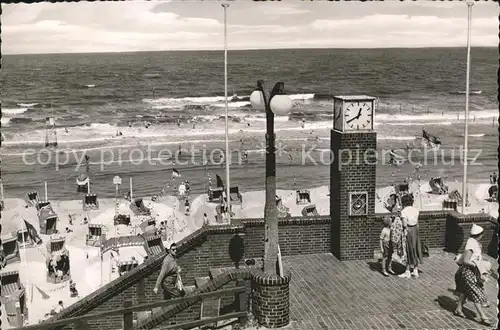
128 310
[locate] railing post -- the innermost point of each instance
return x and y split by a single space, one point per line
241 302
128 318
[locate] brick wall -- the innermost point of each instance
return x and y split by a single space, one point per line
458 228
352 170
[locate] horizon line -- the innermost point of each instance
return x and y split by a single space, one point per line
238 49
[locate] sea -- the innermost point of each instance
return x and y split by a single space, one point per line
132 113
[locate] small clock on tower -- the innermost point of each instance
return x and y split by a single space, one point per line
353 113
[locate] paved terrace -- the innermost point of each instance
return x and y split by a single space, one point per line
326 293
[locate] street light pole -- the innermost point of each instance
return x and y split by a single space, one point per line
282 105
228 159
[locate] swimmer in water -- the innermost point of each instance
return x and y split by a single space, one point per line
66 129
129 124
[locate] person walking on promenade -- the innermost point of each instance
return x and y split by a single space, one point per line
398 241
169 277
414 257
469 278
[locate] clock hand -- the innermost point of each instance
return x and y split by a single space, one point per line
356 117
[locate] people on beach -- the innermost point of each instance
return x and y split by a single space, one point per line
169 277
385 246
494 178
409 215
205 219
73 292
470 275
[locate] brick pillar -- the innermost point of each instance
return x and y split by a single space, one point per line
271 299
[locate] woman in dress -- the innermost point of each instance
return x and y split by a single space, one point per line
409 215
468 278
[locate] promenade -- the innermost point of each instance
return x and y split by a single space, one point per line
326 293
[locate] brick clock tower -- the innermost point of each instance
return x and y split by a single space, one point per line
353 177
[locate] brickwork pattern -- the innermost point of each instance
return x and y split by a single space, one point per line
271 299
330 294
349 172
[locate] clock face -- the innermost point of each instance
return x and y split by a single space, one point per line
358 115
358 203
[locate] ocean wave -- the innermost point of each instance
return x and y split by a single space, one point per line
5 120
27 105
263 118
13 111
90 85
398 138
435 117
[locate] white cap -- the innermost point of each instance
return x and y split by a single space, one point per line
476 230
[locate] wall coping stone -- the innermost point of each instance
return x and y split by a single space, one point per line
270 280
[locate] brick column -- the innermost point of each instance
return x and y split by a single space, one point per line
271 299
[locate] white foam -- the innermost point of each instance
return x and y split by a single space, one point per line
398 138
28 105
13 111
5 121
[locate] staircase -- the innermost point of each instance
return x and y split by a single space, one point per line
218 278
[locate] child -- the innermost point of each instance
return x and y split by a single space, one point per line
385 239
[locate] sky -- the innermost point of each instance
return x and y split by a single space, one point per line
84 27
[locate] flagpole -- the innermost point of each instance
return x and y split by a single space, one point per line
228 160
25 262
46 192
466 129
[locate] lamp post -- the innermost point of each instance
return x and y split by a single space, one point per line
280 104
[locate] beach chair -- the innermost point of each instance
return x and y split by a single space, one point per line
13 298
23 238
126 266
450 204
32 198
47 219
438 187
303 197
455 196
95 236
310 211
493 193
58 261
392 202
90 202
43 204
122 219
216 194
283 211
82 183
137 206
10 250
402 188
236 197
154 245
